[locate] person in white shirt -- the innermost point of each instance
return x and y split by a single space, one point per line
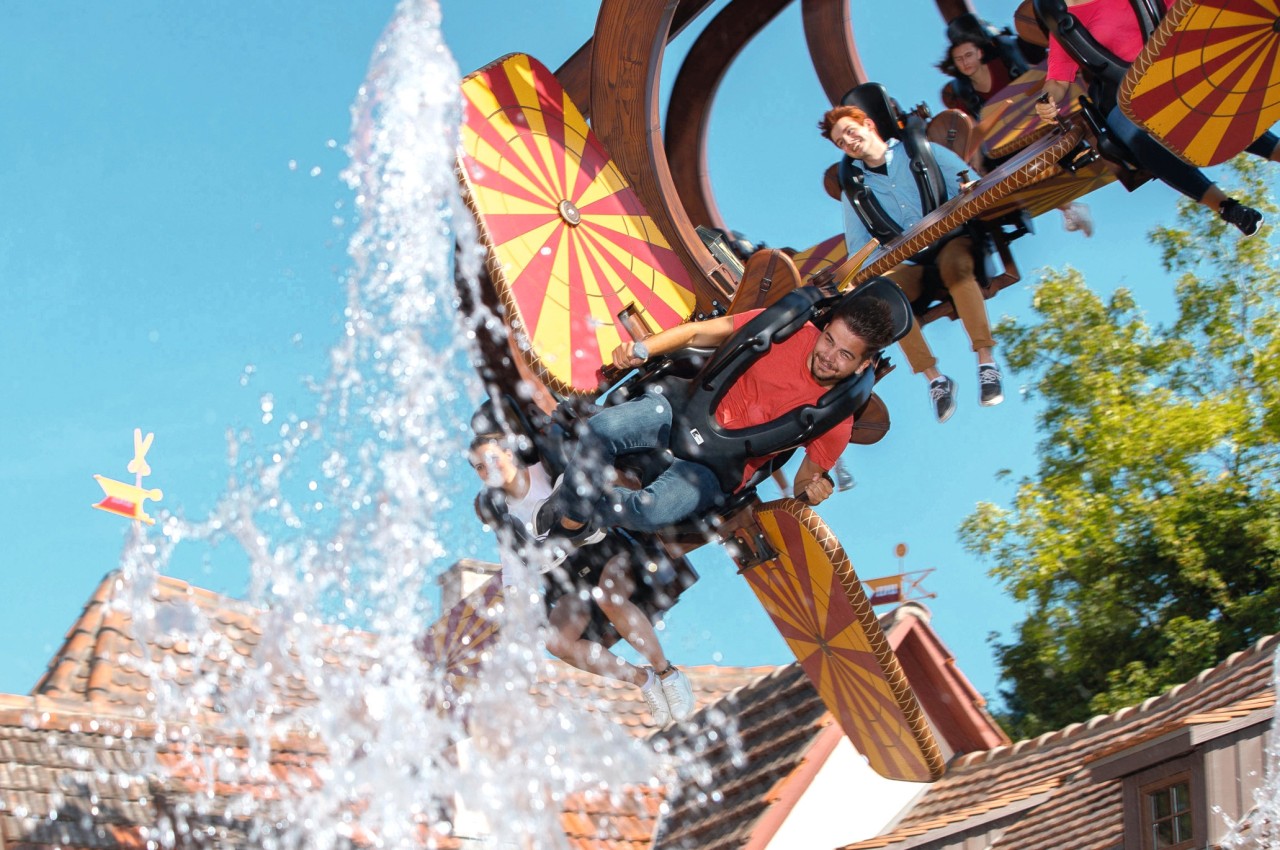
580 585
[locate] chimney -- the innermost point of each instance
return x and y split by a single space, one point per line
464 577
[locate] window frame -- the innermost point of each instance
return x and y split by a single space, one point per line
1138 788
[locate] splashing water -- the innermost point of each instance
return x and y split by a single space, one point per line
328 730
1259 829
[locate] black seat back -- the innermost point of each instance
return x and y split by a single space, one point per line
696 434
1098 63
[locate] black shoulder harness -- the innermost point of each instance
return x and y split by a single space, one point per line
697 435
924 167
491 507
1098 62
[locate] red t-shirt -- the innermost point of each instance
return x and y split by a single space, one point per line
1112 24
777 382
999 80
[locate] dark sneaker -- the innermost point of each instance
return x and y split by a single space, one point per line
1245 219
942 395
990 391
548 525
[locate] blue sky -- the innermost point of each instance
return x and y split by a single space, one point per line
173 247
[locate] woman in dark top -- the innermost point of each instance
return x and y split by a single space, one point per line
980 68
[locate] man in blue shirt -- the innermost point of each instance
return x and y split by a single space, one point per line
884 168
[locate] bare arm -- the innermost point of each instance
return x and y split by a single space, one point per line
1056 90
706 334
812 484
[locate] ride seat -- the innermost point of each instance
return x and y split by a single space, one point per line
698 436
994 266
1103 70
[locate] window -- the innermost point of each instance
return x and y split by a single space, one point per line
1169 810
1167 802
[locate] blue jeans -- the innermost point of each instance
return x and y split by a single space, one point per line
641 425
1167 167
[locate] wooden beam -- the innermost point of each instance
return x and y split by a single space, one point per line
952 9
626 65
828 30
575 73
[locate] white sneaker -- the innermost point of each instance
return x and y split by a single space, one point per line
679 693
655 698
1076 216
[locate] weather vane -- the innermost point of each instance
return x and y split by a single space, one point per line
127 500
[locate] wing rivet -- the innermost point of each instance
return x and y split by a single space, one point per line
569 213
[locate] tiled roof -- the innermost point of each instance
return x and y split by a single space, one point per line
625 820
735 789
103 660
780 722
92 701
624 702
74 775
1045 784
786 733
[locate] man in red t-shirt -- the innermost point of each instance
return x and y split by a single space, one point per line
792 373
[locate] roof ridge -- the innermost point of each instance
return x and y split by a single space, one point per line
1158 701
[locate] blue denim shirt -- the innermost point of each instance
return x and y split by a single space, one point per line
897 191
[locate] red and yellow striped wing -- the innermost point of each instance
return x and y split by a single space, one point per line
1009 122
1208 81
818 604
457 641
827 253
570 245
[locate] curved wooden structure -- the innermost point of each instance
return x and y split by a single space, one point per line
828 30
624 112
695 90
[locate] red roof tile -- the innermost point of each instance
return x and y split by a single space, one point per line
743 760
94 697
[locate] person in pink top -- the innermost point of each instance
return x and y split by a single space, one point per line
981 68
792 372
1113 24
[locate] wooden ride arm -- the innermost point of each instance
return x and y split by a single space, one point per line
575 73
627 50
689 108
1033 165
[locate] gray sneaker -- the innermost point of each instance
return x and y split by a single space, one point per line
679 693
942 395
990 390
655 698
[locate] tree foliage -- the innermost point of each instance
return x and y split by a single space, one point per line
1147 545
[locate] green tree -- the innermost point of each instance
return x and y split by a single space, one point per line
1147 545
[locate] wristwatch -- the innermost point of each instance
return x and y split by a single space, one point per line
640 350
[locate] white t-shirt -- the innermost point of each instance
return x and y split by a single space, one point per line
523 510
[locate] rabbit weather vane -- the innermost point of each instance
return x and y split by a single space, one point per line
127 500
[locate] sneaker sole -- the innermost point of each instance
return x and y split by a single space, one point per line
991 402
